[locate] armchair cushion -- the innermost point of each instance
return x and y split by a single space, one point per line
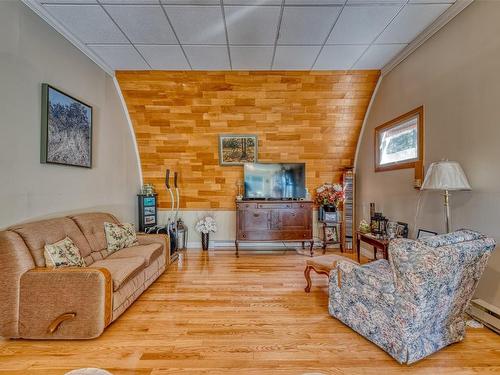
377 275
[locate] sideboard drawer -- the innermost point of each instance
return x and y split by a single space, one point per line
274 205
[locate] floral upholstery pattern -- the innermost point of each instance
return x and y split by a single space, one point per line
63 254
412 305
119 236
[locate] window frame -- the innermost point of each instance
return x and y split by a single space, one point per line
413 163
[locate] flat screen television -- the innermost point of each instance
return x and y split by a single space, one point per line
275 180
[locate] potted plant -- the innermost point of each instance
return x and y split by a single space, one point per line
205 226
328 198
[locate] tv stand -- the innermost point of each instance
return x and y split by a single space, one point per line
274 221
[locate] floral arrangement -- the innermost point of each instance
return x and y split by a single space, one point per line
206 225
328 194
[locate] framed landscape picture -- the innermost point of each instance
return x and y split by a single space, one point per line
66 129
237 149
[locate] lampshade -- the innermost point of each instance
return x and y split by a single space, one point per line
445 175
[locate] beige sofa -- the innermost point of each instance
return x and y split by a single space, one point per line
72 303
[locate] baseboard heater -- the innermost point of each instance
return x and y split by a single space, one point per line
485 313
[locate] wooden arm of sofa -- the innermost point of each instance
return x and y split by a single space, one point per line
65 303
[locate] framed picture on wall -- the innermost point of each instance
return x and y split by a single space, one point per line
422 233
237 149
66 129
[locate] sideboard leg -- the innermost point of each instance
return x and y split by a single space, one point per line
311 248
237 249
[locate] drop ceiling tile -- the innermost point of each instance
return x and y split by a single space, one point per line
314 2
143 24
136 2
307 25
339 57
252 2
68 1
350 2
120 57
378 55
198 25
252 57
191 2
295 57
361 24
412 20
89 23
208 57
432 1
164 57
252 24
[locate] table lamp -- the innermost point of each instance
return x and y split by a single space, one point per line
446 175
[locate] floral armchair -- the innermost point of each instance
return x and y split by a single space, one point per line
412 305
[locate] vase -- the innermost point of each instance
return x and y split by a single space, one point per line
330 208
204 241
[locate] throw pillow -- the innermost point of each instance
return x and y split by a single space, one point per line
119 236
63 254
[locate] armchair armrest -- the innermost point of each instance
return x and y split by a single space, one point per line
146 239
377 275
65 303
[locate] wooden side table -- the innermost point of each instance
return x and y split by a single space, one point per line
336 227
377 243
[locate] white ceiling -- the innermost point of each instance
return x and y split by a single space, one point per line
243 34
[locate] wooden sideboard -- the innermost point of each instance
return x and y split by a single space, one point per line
274 221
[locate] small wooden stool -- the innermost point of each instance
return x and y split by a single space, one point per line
322 265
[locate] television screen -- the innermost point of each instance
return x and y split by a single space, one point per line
275 181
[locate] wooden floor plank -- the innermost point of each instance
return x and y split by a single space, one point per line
213 313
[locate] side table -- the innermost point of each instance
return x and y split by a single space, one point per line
377 243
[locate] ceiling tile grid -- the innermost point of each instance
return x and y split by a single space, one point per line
245 34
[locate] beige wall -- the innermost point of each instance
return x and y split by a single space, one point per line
456 76
31 52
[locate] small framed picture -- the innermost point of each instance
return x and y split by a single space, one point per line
149 220
422 233
150 201
331 235
392 229
150 210
402 230
330 216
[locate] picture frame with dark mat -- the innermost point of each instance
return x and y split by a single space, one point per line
422 233
237 149
402 230
66 137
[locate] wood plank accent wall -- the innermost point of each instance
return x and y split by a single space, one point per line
311 117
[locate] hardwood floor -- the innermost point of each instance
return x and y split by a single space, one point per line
213 313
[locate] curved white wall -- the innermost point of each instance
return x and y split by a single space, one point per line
456 76
31 52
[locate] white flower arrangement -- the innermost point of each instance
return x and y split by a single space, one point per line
206 225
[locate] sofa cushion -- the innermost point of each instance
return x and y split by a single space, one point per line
92 227
148 252
122 269
119 236
63 254
40 233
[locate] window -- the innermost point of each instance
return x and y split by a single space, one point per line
399 143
